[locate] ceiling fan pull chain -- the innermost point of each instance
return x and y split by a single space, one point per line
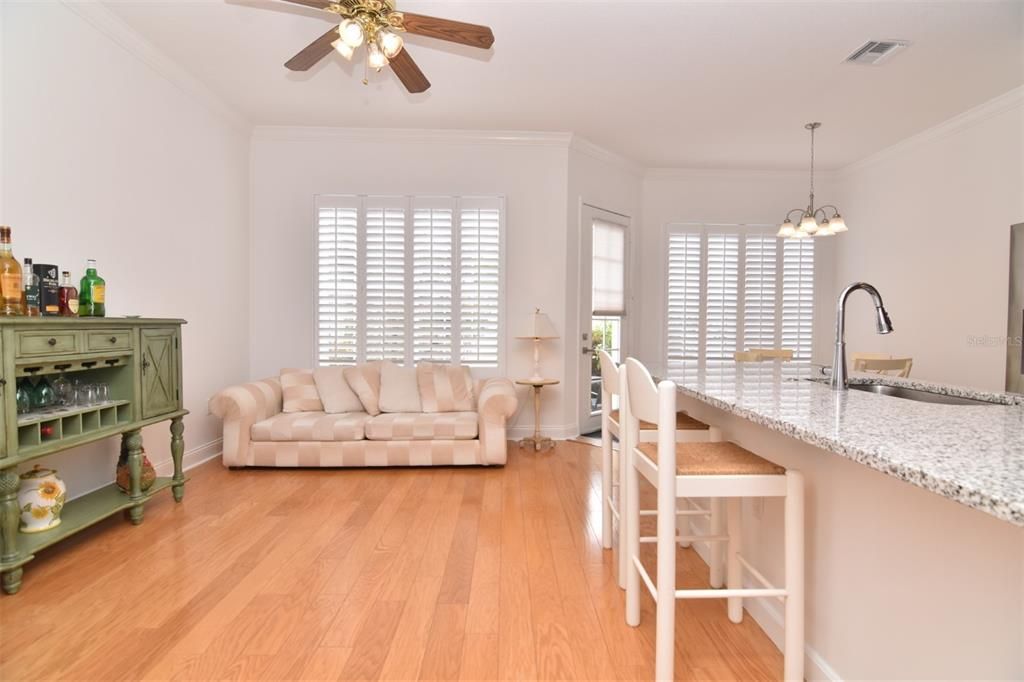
366 72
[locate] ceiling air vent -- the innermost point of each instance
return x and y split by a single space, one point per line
875 51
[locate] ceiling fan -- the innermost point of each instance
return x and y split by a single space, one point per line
380 27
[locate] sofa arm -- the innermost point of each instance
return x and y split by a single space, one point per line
496 404
240 407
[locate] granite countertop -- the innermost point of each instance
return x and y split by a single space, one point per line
973 454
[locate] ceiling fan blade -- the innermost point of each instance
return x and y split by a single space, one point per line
315 4
314 52
408 72
473 35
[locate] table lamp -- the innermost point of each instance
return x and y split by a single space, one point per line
537 326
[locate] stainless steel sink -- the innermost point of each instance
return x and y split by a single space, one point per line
915 394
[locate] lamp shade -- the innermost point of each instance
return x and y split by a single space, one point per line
537 325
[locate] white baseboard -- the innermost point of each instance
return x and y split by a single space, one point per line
562 432
768 615
191 458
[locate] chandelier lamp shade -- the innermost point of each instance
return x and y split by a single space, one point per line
823 221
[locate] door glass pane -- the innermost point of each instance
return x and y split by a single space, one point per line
606 335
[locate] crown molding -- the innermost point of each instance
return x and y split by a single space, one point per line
968 119
599 153
735 174
115 28
526 138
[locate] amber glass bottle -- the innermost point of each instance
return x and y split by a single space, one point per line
10 277
67 296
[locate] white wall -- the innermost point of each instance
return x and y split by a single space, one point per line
929 226
724 197
105 157
290 166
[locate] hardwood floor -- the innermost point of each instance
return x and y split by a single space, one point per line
398 574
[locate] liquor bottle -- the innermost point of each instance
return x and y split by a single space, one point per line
10 277
92 293
68 295
30 299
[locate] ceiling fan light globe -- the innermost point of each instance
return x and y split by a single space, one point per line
343 48
375 56
391 43
838 224
808 224
351 32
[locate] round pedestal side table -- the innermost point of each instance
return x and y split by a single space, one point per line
536 441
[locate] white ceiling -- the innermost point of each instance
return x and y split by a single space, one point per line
682 84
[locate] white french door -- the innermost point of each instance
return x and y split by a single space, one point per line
603 239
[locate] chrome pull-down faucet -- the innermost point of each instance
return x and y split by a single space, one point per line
884 325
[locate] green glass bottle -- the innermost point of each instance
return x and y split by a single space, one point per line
92 295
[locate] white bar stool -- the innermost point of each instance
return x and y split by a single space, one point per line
720 469
687 429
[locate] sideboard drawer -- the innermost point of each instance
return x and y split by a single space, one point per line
29 344
108 339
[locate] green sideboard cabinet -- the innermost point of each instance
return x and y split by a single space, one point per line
140 360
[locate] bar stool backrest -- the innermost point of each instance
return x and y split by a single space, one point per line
609 373
643 394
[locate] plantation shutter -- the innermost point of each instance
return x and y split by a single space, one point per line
722 297
337 293
385 282
759 285
798 297
432 279
683 318
608 285
479 280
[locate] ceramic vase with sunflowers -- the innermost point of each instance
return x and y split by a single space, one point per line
41 498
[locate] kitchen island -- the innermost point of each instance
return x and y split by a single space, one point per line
915 518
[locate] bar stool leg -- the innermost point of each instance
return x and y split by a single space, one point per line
734 577
715 561
793 652
623 511
606 482
665 606
631 507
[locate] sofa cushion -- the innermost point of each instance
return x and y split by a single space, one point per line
422 426
311 426
299 391
445 388
365 381
398 389
335 393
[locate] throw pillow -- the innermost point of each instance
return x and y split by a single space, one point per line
445 388
398 389
299 391
335 393
364 380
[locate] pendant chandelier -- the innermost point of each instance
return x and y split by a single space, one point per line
814 222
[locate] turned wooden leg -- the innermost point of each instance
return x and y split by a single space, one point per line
9 517
133 444
177 450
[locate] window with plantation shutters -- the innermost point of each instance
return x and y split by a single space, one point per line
337 332
798 297
433 282
721 297
409 279
735 287
385 303
479 282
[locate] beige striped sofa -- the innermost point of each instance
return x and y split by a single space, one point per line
258 433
